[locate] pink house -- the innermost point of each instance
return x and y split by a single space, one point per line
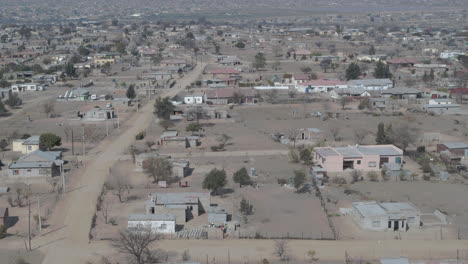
364 158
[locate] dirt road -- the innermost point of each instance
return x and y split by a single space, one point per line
67 244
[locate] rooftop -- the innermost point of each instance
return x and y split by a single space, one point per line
455 145
177 198
151 217
373 209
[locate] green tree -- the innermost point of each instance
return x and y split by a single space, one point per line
3 144
3 109
241 177
299 179
381 137
382 71
120 47
305 155
240 44
215 180
260 61
353 71
70 70
245 207
13 101
193 127
325 64
48 140
163 108
131 92
83 51
160 169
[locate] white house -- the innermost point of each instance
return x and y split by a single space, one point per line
26 87
157 223
27 145
377 216
196 98
371 84
321 86
450 54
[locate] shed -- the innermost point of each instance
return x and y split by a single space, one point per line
157 223
217 215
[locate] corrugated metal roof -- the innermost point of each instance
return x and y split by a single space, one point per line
456 145
151 217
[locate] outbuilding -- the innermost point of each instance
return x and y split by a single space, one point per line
157 223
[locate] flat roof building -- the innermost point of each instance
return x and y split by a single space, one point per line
377 216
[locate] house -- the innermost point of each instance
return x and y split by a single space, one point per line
222 72
382 103
403 62
184 206
230 95
157 223
320 86
195 98
106 57
76 94
349 92
4 215
172 139
229 60
371 84
364 158
27 145
450 54
458 148
99 114
5 93
181 168
26 87
440 106
377 216
217 215
299 78
37 164
179 63
159 76
402 93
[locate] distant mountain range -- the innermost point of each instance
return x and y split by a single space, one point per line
331 5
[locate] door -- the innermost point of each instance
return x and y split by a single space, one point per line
395 225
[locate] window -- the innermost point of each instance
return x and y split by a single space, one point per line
28 170
358 162
372 164
398 160
15 172
375 223
29 147
163 227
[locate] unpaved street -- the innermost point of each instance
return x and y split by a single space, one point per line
67 245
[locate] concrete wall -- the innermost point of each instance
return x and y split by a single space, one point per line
156 226
33 172
24 149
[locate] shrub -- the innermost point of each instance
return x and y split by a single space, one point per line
338 180
140 136
373 176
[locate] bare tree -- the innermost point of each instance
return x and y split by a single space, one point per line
158 168
404 135
343 102
118 183
48 107
360 135
106 207
137 244
281 249
67 131
335 133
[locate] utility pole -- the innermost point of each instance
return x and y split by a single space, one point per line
63 178
118 119
39 212
29 222
84 148
107 128
73 143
